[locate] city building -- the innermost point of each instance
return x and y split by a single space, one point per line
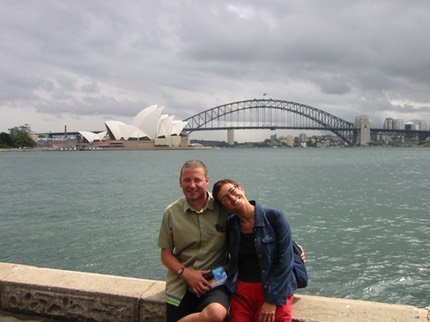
302 139
411 126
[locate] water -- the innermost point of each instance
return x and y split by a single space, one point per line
363 214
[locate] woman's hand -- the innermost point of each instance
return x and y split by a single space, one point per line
267 313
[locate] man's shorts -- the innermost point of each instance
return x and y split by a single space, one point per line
191 303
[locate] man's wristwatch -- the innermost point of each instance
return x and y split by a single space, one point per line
181 271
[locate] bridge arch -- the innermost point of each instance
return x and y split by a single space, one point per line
269 114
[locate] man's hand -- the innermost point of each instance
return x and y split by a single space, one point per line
195 280
302 253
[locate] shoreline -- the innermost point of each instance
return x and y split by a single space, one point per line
110 149
161 148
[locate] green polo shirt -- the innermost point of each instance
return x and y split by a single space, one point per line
197 239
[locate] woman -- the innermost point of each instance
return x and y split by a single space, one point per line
261 277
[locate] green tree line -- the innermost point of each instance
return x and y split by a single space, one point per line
19 139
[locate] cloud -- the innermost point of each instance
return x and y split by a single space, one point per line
85 60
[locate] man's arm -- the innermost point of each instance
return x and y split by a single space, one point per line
194 278
170 261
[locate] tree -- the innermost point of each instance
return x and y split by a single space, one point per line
5 141
21 137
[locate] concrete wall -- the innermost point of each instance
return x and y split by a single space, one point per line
35 294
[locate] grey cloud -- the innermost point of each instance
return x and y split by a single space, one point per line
108 57
335 85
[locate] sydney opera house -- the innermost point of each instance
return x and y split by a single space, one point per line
149 129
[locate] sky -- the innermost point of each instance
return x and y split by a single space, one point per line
79 63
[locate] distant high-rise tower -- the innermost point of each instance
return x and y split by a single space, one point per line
302 137
398 124
290 140
388 123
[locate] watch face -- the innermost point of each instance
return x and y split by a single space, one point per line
180 271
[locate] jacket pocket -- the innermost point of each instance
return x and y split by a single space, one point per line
267 239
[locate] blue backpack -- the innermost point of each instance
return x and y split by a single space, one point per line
299 268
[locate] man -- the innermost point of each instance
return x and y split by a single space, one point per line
193 241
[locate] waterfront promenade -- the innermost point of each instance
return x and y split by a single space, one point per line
33 294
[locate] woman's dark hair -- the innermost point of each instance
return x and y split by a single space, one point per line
218 185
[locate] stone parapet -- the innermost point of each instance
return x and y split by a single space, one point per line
33 294
77 296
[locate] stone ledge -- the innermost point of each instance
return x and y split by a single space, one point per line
324 309
41 294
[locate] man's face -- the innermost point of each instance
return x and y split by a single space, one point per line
194 182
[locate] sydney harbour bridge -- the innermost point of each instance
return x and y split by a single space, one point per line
279 114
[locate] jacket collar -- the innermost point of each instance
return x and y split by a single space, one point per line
259 213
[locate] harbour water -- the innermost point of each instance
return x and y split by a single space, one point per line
362 214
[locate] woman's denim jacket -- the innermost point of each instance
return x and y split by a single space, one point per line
273 245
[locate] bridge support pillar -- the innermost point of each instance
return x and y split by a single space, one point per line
362 123
230 137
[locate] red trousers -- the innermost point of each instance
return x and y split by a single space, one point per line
246 304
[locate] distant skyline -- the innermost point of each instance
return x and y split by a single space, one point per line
81 63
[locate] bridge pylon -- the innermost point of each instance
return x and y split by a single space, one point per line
362 124
230 137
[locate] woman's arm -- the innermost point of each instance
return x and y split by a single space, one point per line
280 275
